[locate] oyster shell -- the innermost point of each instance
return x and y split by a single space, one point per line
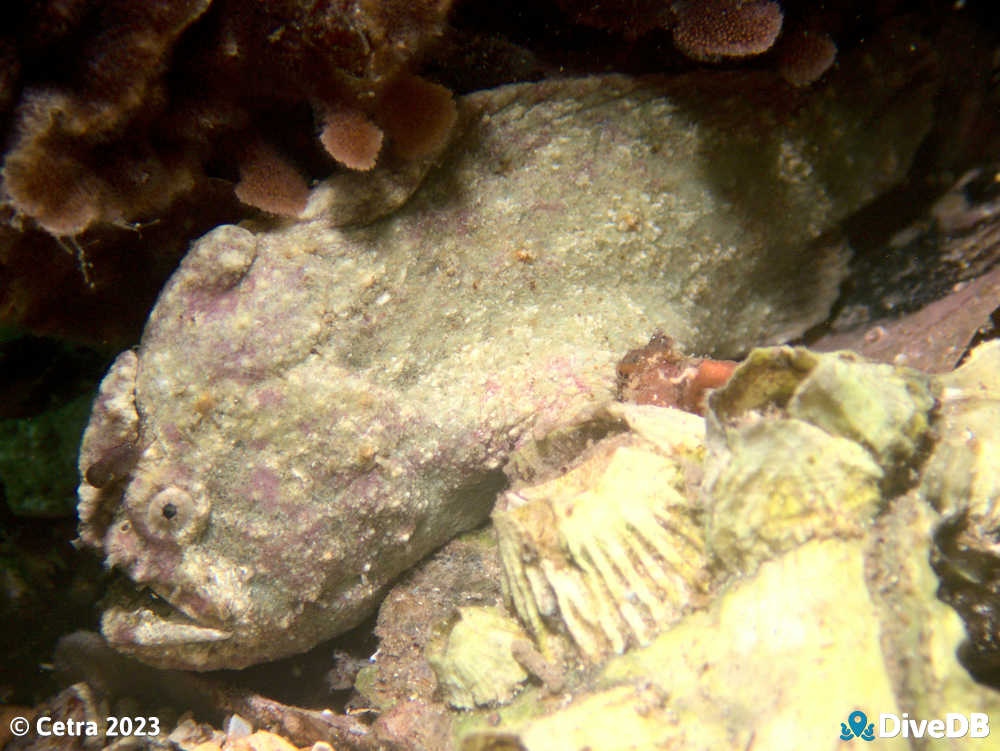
475 660
609 553
803 445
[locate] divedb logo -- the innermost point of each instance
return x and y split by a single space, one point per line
954 725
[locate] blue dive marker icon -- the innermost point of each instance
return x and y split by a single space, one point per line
860 728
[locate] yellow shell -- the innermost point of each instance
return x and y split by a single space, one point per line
610 552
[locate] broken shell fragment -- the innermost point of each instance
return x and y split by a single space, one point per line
610 553
963 470
474 661
881 407
961 479
803 446
781 483
728 675
809 485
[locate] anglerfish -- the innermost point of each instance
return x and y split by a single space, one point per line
311 409
261 485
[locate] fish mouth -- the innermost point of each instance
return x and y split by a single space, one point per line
156 631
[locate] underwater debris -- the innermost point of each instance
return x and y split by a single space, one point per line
920 297
77 706
933 339
659 375
764 661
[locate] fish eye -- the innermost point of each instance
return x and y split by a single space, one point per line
174 514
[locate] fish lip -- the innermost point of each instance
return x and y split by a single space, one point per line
147 619
186 605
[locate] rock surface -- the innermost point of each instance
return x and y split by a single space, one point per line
313 409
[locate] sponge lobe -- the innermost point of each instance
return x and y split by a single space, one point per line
144 99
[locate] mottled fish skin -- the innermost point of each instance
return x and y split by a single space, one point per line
263 493
314 409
